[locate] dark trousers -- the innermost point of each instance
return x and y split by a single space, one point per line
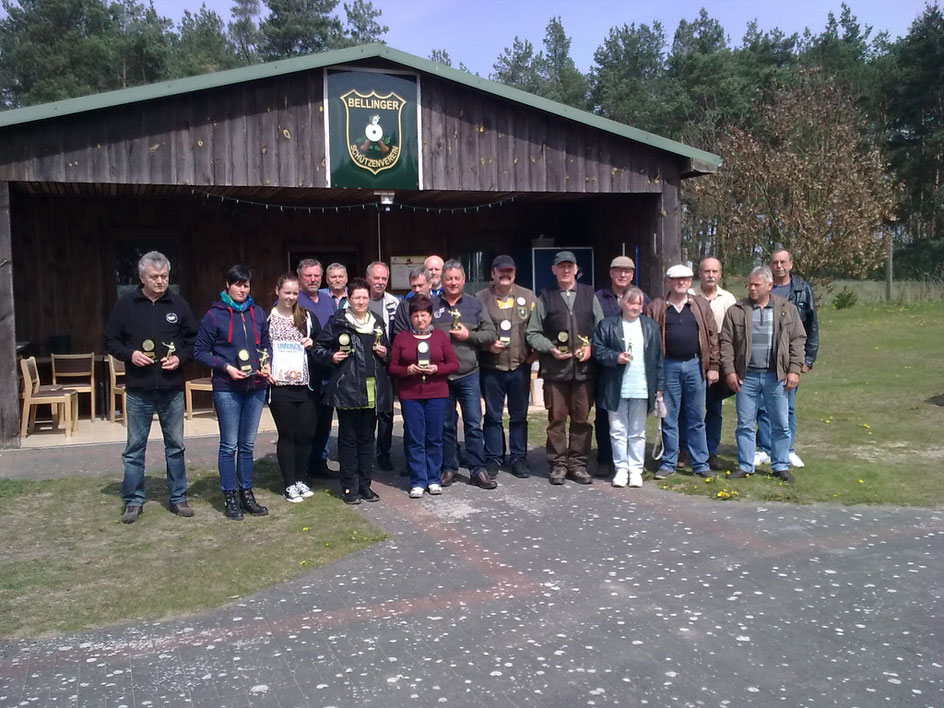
604 447
385 427
294 411
356 448
568 399
423 422
319 446
496 387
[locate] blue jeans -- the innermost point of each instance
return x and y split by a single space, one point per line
238 413
516 385
170 412
763 424
423 434
762 388
684 397
466 392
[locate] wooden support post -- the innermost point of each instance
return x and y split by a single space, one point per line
9 386
666 235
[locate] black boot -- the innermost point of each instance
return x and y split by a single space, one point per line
248 503
231 508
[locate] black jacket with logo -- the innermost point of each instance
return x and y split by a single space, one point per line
137 319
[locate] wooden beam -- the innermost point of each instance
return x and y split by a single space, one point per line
9 387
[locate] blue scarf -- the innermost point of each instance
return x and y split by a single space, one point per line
236 306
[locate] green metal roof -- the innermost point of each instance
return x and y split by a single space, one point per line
701 160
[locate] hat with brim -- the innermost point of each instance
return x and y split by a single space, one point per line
564 257
679 271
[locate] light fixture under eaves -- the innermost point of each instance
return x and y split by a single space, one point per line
386 198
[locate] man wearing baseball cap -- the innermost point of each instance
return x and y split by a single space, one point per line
622 271
506 368
692 359
560 330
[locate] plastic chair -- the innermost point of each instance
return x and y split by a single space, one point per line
116 390
76 371
63 401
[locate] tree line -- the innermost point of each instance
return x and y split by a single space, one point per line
833 141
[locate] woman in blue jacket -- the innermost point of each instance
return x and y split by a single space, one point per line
628 347
234 342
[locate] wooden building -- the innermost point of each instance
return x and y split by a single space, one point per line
234 167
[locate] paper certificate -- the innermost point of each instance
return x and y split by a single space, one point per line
288 362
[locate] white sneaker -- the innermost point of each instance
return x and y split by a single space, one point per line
416 493
620 478
435 489
635 479
292 494
795 460
304 490
761 458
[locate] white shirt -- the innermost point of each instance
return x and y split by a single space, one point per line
719 303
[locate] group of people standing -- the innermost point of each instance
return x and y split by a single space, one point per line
352 348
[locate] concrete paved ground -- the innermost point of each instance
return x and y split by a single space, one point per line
544 596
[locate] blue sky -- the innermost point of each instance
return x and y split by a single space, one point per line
476 33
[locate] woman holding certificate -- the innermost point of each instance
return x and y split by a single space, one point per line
234 342
421 360
293 398
628 347
354 344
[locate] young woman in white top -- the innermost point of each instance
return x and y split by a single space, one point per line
293 394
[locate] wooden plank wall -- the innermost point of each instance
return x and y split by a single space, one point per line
64 247
474 141
271 133
9 408
260 133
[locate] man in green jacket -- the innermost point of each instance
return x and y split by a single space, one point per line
762 349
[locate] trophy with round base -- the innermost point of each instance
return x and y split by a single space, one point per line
245 365
147 347
504 332
344 343
562 339
422 356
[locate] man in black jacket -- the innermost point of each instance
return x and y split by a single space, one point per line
799 292
152 331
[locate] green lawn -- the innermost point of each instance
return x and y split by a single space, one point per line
870 416
67 563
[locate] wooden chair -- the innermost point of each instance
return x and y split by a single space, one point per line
205 384
63 401
77 372
116 390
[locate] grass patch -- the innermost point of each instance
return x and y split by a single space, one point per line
67 563
869 417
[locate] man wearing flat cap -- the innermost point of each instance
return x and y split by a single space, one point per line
560 330
622 271
692 360
506 368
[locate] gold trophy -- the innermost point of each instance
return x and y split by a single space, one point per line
455 319
628 349
562 339
344 343
584 342
147 346
171 348
378 335
263 358
504 336
245 365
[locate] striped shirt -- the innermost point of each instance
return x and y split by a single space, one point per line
762 336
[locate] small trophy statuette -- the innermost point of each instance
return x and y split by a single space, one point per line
455 319
504 336
147 346
263 357
171 348
344 343
378 335
584 342
628 349
562 339
245 365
